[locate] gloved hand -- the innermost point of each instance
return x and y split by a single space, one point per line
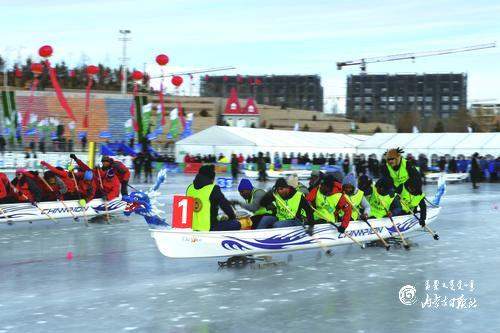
72 156
43 163
310 229
389 214
364 217
341 229
71 167
422 223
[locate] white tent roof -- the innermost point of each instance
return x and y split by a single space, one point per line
225 139
433 143
229 136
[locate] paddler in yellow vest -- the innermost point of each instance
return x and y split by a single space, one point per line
382 201
290 208
412 197
208 198
331 204
252 197
398 170
360 206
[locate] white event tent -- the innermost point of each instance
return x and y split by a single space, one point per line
248 141
433 143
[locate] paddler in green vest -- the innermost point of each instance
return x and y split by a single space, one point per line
382 201
412 197
398 170
360 206
290 208
252 197
331 204
208 198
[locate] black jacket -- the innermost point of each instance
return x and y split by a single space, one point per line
217 199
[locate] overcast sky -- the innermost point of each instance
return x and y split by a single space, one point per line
263 37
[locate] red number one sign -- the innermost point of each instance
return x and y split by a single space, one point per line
182 213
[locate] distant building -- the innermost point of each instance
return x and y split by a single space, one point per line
287 91
386 97
486 115
235 115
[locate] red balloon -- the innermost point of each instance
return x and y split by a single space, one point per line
177 80
45 51
137 75
18 73
258 82
239 79
225 78
207 78
72 73
92 70
162 59
36 68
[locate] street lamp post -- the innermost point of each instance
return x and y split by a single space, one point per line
124 58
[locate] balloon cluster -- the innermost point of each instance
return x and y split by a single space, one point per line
46 51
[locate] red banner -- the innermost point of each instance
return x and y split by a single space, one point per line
27 115
87 103
132 109
60 96
181 115
162 105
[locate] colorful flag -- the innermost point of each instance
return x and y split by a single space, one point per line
146 117
174 124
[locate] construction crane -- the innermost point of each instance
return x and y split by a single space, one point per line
198 71
403 56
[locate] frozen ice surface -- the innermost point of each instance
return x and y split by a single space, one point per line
117 281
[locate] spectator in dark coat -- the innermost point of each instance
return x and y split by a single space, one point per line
475 171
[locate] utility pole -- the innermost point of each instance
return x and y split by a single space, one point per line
124 58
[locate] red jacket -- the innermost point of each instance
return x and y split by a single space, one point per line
121 171
27 188
110 186
87 188
64 175
95 181
5 189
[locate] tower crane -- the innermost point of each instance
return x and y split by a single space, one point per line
403 56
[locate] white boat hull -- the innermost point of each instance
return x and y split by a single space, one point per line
185 243
449 177
24 212
273 174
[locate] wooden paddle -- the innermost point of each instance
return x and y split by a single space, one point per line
80 196
103 195
33 203
60 199
345 233
387 246
405 244
426 228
